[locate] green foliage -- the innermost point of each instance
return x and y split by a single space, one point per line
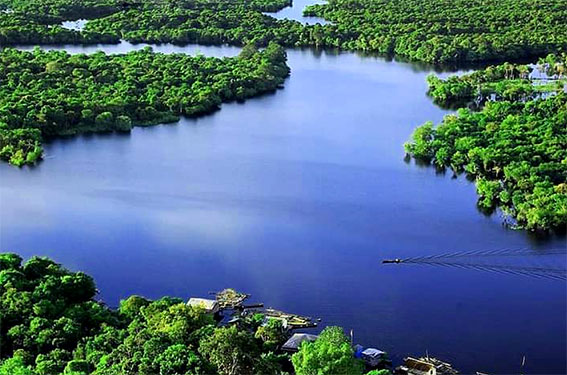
330 354
501 82
38 21
45 311
379 372
516 151
430 30
231 351
131 306
52 326
272 333
15 366
20 146
65 94
446 30
77 367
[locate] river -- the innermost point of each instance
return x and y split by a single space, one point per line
296 197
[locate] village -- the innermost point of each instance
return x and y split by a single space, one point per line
228 307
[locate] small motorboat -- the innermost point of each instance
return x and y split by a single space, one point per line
397 260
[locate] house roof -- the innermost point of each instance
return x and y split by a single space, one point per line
295 341
207 304
413 363
372 352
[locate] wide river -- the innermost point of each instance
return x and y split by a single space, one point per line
296 197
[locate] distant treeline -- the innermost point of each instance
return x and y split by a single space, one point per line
45 94
426 30
514 82
515 147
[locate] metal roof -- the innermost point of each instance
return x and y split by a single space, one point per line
295 341
207 304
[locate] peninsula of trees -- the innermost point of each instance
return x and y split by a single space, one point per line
435 31
515 147
51 325
45 94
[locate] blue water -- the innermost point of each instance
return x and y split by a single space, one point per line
295 12
296 197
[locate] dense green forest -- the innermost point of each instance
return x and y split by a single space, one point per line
44 94
39 22
448 30
52 325
515 146
19 29
237 25
501 82
426 30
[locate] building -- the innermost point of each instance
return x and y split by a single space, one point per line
209 305
292 345
373 357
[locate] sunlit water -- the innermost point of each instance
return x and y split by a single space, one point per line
295 12
295 197
77 25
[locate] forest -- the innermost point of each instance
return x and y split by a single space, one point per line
432 31
514 82
514 146
447 30
52 325
39 22
46 94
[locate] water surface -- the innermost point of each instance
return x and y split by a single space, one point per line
295 12
295 197
77 25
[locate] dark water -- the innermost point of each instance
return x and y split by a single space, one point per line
296 197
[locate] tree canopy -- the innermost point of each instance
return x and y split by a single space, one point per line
330 354
51 325
515 147
45 94
514 82
426 30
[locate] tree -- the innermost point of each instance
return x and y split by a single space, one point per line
272 333
231 351
130 307
379 372
15 366
123 123
248 51
330 354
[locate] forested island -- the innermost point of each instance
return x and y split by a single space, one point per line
431 30
46 94
52 325
514 146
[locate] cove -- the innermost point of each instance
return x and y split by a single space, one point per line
295 197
